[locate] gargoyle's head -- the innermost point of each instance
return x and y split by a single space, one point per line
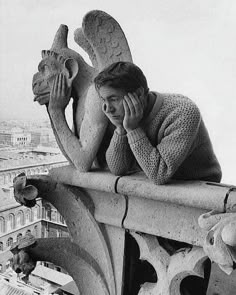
217 250
22 262
59 59
51 65
220 239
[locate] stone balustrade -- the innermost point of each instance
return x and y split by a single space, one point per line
108 217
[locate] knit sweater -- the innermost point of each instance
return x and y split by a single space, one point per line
171 143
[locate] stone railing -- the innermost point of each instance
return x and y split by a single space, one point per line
130 236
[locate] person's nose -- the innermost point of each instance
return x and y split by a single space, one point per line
108 108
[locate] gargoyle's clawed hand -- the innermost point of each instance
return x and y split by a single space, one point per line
24 193
220 241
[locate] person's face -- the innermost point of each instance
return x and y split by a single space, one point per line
112 104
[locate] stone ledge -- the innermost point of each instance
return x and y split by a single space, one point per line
197 194
135 203
97 180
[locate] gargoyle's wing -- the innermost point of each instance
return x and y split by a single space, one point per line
81 40
103 39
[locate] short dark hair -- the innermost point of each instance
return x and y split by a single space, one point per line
122 75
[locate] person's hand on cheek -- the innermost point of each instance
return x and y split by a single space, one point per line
134 109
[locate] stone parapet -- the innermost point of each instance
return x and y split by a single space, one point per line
118 222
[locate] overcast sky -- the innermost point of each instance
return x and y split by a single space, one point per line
184 46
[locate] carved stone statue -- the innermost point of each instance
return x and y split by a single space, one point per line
101 209
104 41
220 242
22 261
86 254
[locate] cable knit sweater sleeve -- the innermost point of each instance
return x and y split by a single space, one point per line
119 156
160 162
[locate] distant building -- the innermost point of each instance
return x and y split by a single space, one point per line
15 287
43 136
31 161
49 279
67 289
23 137
15 137
35 138
42 281
43 220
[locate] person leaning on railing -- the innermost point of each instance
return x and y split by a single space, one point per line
162 134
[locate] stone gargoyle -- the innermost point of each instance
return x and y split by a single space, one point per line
104 41
86 257
220 241
22 261
85 254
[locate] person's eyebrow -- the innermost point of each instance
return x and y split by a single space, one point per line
111 96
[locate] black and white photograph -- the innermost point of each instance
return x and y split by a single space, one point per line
117 147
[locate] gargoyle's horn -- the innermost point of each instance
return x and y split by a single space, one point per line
60 39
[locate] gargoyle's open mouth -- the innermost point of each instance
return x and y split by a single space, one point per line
42 98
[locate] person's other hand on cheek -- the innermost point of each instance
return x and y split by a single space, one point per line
134 109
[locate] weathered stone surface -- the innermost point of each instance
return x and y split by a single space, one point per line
95 215
104 41
116 244
221 231
168 220
231 200
171 270
108 208
76 207
84 269
98 207
107 43
228 234
221 283
98 180
24 194
22 261
197 194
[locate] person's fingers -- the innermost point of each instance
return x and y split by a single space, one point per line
141 96
129 100
126 107
137 106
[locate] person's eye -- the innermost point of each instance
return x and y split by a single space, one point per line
115 99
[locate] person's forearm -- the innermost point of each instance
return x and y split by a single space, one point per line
155 165
160 162
119 156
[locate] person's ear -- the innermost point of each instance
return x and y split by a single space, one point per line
72 68
140 91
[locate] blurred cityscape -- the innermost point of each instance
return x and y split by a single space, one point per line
29 147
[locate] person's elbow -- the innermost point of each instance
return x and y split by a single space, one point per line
118 172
